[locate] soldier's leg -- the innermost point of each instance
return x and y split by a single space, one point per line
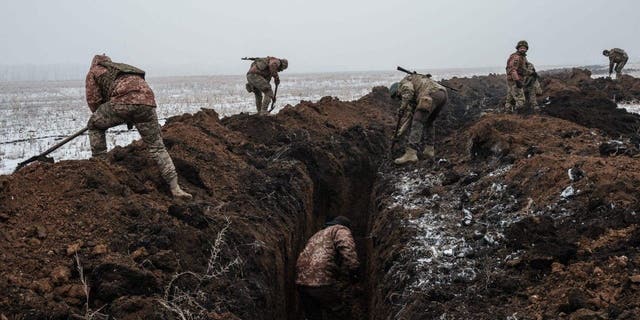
619 67
518 97
258 95
440 99
151 135
311 306
102 119
413 141
508 106
261 84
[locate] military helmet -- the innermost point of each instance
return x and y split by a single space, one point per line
605 52
341 220
284 63
393 89
522 43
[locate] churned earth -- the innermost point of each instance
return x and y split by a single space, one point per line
525 216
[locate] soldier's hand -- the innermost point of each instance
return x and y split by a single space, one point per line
129 125
519 84
276 81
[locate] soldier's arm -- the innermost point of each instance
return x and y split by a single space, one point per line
273 69
611 63
346 246
513 68
407 92
92 91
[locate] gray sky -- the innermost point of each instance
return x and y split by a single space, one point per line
209 37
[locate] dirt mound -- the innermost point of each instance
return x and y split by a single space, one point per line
520 216
262 186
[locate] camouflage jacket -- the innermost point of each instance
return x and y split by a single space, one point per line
127 89
415 85
329 250
617 55
516 66
266 67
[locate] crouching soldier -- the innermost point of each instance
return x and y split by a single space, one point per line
259 76
116 94
617 59
422 100
329 252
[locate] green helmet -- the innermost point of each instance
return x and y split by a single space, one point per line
522 43
284 63
393 89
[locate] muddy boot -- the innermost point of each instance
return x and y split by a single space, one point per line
410 155
428 152
177 192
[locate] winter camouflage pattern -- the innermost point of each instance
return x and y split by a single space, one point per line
261 90
146 121
617 60
124 89
516 65
317 265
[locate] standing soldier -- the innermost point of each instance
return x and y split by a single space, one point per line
327 253
422 100
117 93
516 69
618 58
532 87
259 76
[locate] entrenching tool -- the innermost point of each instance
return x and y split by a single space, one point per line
43 156
273 102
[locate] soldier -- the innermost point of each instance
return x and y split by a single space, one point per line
117 93
327 253
516 69
618 58
259 76
532 86
422 100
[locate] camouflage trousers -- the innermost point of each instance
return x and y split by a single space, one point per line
423 131
146 121
618 68
260 86
515 96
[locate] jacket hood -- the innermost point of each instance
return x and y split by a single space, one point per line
99 58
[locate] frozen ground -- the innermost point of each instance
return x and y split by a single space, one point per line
35 115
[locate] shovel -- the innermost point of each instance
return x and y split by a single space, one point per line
43 156
273 103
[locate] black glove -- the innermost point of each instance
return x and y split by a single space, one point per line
534 75
129 125
519 84
276 81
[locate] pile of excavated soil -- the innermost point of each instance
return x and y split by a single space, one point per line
261 186
523 217
519 217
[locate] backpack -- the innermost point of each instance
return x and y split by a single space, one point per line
107 80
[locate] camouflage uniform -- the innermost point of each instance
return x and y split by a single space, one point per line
516 70
429 97
116 98
617 58
258 78
326 253
532 87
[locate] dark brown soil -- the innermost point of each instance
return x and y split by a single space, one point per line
264 185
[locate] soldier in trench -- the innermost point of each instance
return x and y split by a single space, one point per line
259 76
328 254
116 94
422 101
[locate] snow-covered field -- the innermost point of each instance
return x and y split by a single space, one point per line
35 115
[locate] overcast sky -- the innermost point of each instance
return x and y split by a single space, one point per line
209 37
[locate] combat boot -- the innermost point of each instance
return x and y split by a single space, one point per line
176 191
429 152
410 155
